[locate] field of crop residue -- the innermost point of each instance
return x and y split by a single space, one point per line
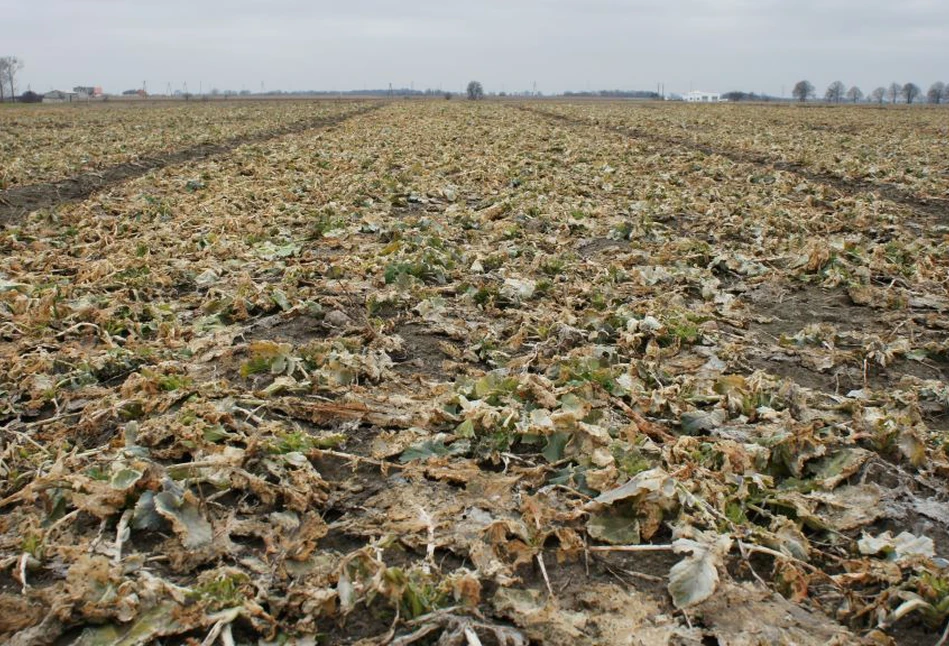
466 373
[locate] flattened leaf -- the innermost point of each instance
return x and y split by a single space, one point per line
904 547
651 481
697 422
851 506
556 444
185 517
694 579
912 447
834 469
125 479
615 529
790 540
465 430
159 621
145 515
433 449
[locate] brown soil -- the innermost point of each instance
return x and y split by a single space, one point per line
781 312
423 352
17 202
298 330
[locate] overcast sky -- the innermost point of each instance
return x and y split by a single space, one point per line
714 45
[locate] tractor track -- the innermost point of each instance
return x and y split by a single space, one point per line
934 209
16 203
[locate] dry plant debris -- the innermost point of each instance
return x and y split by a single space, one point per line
480 374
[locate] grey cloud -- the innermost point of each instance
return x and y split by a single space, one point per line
757 45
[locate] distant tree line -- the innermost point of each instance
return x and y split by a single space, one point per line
616 94
735 96
837 92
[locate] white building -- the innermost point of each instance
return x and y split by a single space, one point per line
702 97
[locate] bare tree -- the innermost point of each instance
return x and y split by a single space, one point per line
936 91
835 92
3 76
911 92
854 94
894 92
878 95
475 91
802 91
9 66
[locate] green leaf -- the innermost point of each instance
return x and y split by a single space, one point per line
570 403
164 619
145 516
834 469
465 430
615 529
125 479
280 298
185 517
433 449
556 444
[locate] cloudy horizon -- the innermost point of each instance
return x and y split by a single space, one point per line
713 45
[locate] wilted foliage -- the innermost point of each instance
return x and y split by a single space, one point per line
485 373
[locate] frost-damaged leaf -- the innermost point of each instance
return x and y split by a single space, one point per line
346 591
435 448
125 479
694 579
613 528
912 447
542 618
164 620
145 516
834 469
751 615
789 539
904 547
850 506
7 285
517 290
269 251
698 422
652 481
556 443
186 518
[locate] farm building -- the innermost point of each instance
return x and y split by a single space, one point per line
87 91
702 97
58 96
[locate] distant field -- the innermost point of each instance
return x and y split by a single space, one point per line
540 372
49 143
